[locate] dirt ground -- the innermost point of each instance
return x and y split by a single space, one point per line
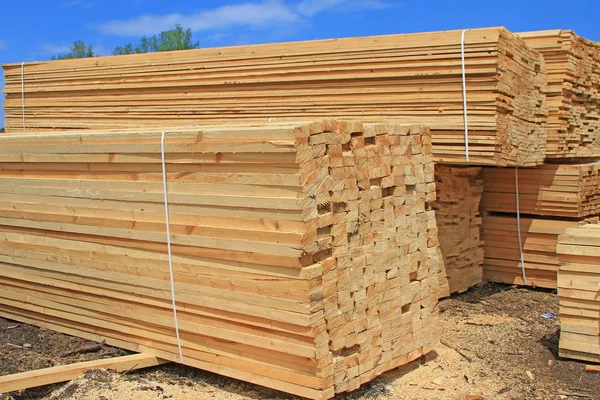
495 345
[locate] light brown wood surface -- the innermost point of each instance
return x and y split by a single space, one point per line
573 65
559 190
414 78
63 373
305 256
456 208
539 236
578 288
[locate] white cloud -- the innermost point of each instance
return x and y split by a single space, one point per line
3 44
215 37
101 50
53 49
312 7
254 15
76 3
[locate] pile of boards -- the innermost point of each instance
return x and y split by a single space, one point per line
304 256
578 288
456 208
415 78
306 253
572 92
526 209
551 198
540 225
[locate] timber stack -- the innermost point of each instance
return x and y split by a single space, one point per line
370 78
572 92
456 208
304 255
541 203
560 194
552 190
539 235
578 284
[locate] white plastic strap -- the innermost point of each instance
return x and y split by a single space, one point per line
23 93
464 92
168 230
519 227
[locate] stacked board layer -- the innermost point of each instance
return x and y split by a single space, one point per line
578 285
539 235
415 78
459 223
573 92
304 256
549 190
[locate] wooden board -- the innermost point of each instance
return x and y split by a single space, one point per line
539 236
578 287
559 190
63 373
458 191
414 78
573 65
305 256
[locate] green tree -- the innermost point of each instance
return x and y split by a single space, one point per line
78 50
1 130
173 39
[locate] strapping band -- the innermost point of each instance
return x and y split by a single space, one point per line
519 227
168 231
23 93
464 93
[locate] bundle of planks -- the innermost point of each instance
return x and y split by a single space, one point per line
304 256
578 284
539 235
573 65
368 78
458 192
560 190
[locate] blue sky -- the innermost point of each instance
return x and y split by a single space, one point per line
36 30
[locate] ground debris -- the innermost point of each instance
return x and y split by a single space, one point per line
86 348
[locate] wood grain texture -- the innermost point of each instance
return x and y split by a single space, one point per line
456 208
415 78
63 373
539 235
573 65
560 190
578 287
305 256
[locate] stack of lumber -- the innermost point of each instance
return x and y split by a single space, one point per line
578 288
456 208
304 255
559 190
573 65
415 78
539 235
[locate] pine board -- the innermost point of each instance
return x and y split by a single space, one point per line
578 285
414 78
573 65
458 193
305 256
559 190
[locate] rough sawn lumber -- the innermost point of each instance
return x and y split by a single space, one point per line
305 255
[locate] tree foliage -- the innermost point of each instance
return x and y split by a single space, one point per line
78 50
173 39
